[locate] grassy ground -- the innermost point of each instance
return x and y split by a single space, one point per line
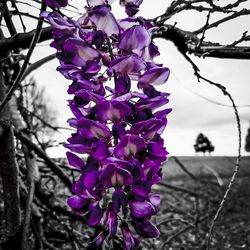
186 213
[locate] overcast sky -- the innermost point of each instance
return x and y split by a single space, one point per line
191 113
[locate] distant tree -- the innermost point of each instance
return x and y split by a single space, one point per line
203 144
247 145
37 113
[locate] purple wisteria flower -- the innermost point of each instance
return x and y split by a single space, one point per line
132 6
56 3
117 129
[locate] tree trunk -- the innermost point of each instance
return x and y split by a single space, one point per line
8 173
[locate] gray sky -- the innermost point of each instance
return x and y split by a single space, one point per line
191 113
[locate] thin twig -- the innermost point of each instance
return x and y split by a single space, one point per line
37 64
204 30
3 9
50 163
30 161
43 238
242 12
178 189
20 16
55 128
181 165
182 231
26 61
243 38
237 164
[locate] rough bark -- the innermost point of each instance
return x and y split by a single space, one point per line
8 169
188 43
22 40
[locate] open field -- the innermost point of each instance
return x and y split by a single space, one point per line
190 200
207 165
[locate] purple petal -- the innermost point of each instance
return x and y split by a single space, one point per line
74 160
155 149
147 128
162 113
127 65
136 2
77 108
69 71
98 241
104 20
139 189
57 21
101 152
113 176
128 23
78 148
57 3
118 131
78 187
154 76
87 95
90 179
77 202
111 222
76 138
146 229
153 103
92 129
95 214
112 110
122 85
119 200
96 38
150 165
92 68
151 92
141 209
155 199
128 239
150 52
72 122
132 6
73 88
135 39
79 52
131 9
129 146
130 95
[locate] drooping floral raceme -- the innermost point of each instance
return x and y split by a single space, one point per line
119 117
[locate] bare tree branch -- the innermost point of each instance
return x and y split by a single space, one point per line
22 40
187 42
179 189
26 61
242 12
38 64
50 163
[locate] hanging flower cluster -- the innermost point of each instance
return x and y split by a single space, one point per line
118 119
